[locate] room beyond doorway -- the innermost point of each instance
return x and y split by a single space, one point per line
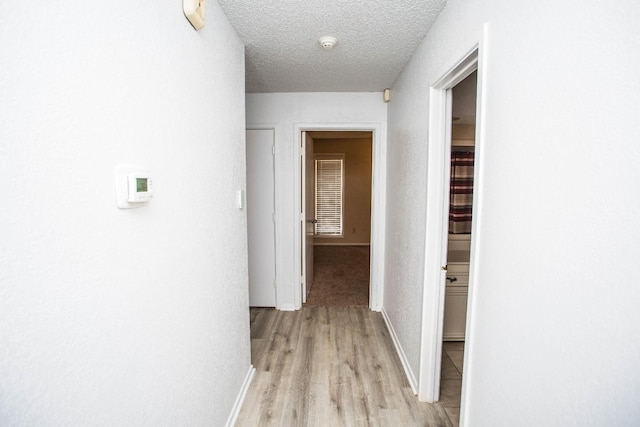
342 207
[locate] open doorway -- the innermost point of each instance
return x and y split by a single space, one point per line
437 230
338 194
378 200
460 208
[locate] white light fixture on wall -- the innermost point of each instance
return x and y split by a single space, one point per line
386 95
194 11
328 42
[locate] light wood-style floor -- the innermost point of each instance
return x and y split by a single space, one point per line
329 366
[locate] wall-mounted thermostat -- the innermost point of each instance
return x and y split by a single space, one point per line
134 187
139 188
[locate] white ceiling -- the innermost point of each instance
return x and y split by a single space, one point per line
376 38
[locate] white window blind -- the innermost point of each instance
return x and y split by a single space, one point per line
329 183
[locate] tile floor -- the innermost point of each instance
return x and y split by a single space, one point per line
451 379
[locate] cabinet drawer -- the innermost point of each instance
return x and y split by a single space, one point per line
457 279
455 313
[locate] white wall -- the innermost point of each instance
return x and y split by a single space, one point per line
555 332
283 111
120 317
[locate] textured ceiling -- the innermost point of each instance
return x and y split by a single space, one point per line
376 38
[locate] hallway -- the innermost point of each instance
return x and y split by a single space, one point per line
329 366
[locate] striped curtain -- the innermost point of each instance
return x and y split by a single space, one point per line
461 192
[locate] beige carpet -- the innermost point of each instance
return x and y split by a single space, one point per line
341 277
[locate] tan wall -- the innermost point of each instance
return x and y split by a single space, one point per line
357 191
463 132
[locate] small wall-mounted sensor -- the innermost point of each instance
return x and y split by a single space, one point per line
139 188
134 187
194 11
386 95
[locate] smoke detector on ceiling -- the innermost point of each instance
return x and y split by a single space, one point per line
328 42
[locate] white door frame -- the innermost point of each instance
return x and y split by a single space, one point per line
436 222
378 202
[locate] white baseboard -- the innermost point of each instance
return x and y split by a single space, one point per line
237 406
403 357
286 307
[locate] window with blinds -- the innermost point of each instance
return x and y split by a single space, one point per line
329 185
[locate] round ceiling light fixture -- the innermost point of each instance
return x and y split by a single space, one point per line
328 42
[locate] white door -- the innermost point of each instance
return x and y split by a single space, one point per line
308 213
260 218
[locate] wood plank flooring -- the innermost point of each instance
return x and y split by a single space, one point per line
329 366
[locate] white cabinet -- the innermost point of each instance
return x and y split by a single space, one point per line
455 302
